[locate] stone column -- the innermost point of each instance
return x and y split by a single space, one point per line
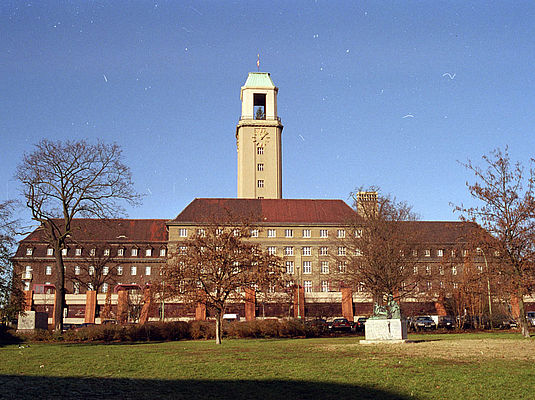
299 295
347 304
200 312
122 306
90 306
250 304
147 301
28 300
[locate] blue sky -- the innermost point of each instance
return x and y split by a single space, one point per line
370 93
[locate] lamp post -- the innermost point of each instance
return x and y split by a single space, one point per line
298 293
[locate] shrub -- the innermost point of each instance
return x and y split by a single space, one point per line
202 330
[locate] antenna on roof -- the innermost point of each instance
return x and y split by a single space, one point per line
258 62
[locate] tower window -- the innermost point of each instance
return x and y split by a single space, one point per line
259 167
259 106
259 150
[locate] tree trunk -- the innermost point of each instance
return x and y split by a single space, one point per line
60 291
218 326
522 315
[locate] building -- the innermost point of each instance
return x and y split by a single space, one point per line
305 232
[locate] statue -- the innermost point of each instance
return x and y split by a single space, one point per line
389 311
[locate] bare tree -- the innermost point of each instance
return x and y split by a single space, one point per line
506 193
379 250
217 264
96 269
11 296
63 180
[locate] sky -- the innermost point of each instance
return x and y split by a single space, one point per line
387 93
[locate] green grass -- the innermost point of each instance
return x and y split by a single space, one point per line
449 366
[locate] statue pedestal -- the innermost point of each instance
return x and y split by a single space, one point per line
32 320
390 331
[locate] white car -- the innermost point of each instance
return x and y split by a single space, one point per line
530 316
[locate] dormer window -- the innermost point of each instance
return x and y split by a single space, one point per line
120 252
148 253
64 252
162 252
29 251
92 252
106 252
50 251
134 252
78 252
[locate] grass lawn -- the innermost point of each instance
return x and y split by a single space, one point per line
435 366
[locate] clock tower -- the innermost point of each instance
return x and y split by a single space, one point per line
258 138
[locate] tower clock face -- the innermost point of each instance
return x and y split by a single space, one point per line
261 136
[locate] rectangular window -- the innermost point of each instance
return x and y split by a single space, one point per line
289 233
479 269
341 251
427 253
324 233
324 251
91 270
92 252
272 233
465 253
307 251
415 253
76 270
260 183
64 252
325 267
440 253
340 233
260 167
358 233
455 285
358 252
133 270
342 268
454 270
453 253
134 252
429 285
183 232
148 270
106 252
104 287
288 251
254 233
308 286
324 286
289 267
428 270
49 252
182 250
78 252
76 287
119 270
272 251
415 270
201 232
307 267
90 286
48 270
162 252
306 233
441 270
259 150
148 253
105 270
29 251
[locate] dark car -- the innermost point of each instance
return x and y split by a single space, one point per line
446 322
340 324
84 325
319 323
423 322
360 323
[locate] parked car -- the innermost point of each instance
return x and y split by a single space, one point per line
360 324
319 323
530 316
341 324
84 325
446 322
508 324
108 322
423 322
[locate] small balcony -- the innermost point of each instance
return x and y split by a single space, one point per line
26 275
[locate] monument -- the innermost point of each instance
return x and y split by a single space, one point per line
386 325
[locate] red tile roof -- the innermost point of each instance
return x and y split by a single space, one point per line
443 232
268 211
112 230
